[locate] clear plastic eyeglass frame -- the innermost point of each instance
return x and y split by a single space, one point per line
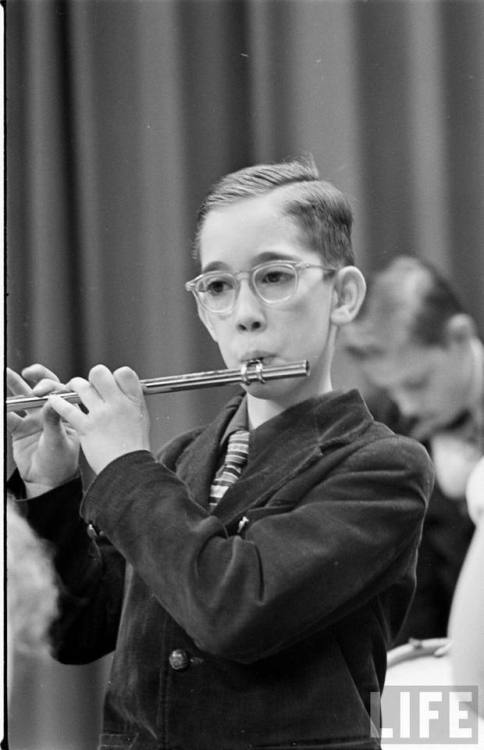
199 285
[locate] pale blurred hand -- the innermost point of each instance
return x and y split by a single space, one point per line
116 421
45 450
475 493
454 459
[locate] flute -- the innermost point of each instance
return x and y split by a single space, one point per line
250 372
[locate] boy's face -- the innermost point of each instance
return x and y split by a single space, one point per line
236 238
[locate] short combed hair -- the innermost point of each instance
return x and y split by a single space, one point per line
416 291
320 209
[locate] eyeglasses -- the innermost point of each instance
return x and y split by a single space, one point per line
273 282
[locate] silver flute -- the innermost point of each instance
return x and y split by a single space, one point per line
250 372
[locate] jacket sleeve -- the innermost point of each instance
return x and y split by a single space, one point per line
90 576
300 567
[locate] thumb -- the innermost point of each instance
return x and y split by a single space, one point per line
53 426
56 428
50 418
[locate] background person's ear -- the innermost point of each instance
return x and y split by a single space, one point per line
349 292
205 318
460 328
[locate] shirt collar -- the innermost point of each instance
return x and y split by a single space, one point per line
239 421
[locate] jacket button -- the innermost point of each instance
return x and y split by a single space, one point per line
179 660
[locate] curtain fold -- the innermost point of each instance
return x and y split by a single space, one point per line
119 116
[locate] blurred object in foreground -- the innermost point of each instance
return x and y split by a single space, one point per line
31 590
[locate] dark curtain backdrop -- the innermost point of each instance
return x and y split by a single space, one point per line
119 116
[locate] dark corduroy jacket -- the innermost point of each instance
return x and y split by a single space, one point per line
264 624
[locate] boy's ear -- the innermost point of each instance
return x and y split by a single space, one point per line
205 318
349 292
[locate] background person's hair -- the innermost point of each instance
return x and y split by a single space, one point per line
32 594
321 210
417 291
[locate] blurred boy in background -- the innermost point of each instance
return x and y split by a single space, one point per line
414 341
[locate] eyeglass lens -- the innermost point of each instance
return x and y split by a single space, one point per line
273 282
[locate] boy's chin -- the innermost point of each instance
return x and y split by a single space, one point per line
262 390
280 391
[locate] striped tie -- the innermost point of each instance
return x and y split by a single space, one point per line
235 460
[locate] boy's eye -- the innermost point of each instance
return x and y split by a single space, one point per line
272 276
217 286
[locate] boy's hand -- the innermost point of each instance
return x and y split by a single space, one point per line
45 450
117 421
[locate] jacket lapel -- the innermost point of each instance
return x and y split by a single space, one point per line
279 450
199 462
287 445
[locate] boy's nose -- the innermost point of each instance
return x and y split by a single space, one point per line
409 404
249 313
